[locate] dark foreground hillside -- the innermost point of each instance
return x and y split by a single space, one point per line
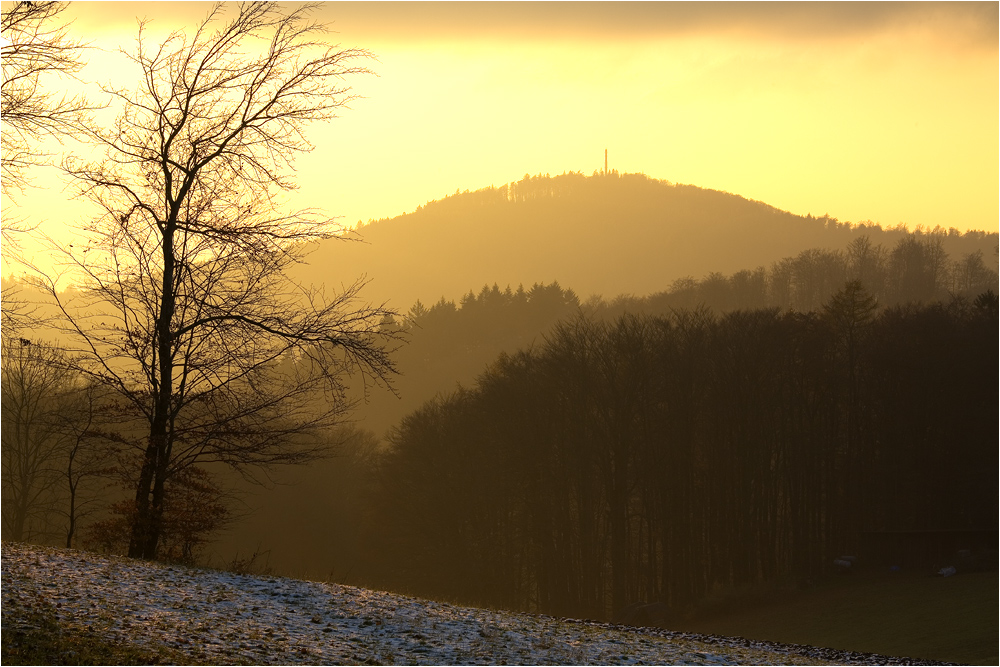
910 612
70 607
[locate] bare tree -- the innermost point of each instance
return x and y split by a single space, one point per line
87 425
56 443
187 311
33 382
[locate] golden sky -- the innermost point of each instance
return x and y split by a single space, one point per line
865 111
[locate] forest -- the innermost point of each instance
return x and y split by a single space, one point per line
452 342
551 454
662 457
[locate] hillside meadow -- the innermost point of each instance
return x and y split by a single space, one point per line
72 607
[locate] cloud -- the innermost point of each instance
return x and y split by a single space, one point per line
973 22
967 23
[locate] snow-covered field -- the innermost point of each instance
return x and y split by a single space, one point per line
224 618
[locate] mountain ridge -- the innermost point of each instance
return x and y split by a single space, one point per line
607 234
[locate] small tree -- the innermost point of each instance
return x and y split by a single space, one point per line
187 311
33 383
194 509
86 424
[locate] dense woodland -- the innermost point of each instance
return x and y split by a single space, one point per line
763 347
451 343
659 458
775 401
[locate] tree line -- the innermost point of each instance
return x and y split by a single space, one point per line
916 269
451 342
447 343
663 457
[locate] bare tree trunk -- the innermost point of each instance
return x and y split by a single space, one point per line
149 494
71 528
21 510
156 508
618 501
142 526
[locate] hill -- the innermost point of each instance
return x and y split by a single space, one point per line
68 606
606 234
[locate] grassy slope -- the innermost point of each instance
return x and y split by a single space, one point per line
42 640
69 607
952 619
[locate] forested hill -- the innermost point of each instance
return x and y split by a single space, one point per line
606 234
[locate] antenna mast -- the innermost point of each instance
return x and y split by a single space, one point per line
605 160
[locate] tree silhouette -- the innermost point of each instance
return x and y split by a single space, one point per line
186 310
36 49
33 384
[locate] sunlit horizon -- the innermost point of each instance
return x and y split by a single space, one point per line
626 328
873 112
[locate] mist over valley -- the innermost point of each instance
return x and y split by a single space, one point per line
554 418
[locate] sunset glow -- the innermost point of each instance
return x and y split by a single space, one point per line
871 112
644 321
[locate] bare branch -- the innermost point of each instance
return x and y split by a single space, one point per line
37 48
188 312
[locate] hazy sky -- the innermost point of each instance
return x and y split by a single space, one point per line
866 111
